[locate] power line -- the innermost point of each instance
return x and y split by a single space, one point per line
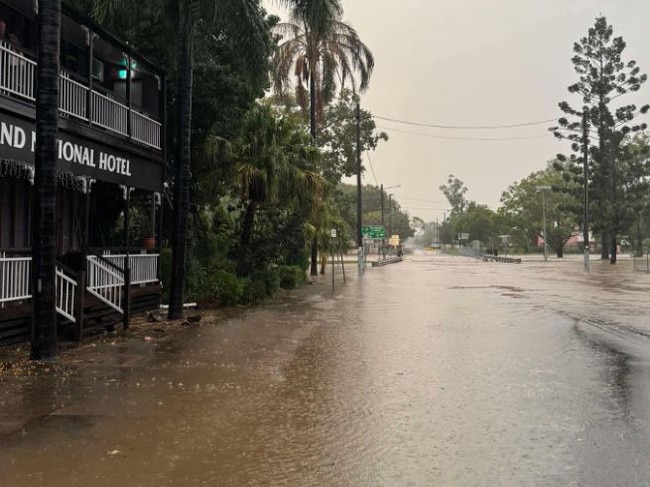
493 208
473 139
421 199
423 208
467 127
372 168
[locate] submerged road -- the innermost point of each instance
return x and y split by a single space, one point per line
435 371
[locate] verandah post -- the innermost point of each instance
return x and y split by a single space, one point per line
127 264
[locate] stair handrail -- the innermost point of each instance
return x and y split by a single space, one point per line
107 284
103 260
66 289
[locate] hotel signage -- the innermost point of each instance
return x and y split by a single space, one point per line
81 156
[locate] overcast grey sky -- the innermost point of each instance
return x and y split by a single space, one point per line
476 62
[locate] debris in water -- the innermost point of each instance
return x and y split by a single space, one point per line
153 317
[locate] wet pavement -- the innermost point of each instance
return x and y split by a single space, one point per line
435 371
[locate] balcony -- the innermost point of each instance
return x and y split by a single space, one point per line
77 100
99 292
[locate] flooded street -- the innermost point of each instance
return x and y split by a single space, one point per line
435 371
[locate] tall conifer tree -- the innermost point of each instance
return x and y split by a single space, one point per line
601 127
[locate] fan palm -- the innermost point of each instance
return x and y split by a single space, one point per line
319 52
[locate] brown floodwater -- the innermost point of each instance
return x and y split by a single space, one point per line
435 371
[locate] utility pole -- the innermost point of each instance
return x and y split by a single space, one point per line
585 167
390 216
437 232
543 190
359 206
382 204
544 218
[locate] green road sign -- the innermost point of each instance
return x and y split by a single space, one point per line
373 231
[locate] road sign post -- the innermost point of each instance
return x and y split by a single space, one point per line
333 236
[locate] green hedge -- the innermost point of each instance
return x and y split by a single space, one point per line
212 284
291 276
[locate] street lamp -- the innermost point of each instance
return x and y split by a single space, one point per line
543 190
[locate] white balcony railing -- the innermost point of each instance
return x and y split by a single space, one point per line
73 97
145 130
66 288
15 278
143 267
18 78
109 114
103 280
17 73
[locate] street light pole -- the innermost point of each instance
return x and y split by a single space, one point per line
543 189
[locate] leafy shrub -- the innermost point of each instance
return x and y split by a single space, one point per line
226 287
271 279
254 291
263 285
291 276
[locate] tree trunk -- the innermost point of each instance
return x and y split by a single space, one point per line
559 252
182 181
313 271
44 337
604 246
613 251
638 241
323 264
243 267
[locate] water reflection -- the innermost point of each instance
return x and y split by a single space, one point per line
435 371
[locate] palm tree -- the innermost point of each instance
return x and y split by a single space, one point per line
319 48
44 338
243 20
272 156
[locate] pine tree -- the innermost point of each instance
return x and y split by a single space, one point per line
600 129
